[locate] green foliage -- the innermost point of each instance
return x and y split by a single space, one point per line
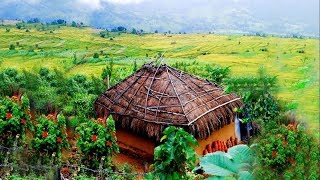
287 151
50 137
96 55
11 82
217 74
12 47
135 66
256 94
104 34
237 163
73 24
82 105
176 156
15 119
97 142
50 91
107 72
74 122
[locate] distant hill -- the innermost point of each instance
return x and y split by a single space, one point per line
285 17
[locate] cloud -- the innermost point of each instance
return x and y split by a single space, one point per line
125 1
90 4
98 4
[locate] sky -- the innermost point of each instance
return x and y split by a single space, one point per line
274 16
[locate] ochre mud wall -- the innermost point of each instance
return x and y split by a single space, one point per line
222 134
125 137
144 147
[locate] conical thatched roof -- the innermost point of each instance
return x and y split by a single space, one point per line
155 97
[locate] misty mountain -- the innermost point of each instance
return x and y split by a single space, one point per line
228 16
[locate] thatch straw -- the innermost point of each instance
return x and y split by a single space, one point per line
155 97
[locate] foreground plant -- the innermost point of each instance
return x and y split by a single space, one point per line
236 164
175 157
50 137
15 119
97 142
289 152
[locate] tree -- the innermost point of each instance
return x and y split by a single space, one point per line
134 31
74 24
121 29
134 66
95 55
156 31
175 156
12 47
108 72
34 20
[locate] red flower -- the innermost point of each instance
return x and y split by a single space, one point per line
59 140
285 142
113 135
9 115
23 121
28 130
288 159
77 136
274 154
108 143
44 134
94 137
64 131
28 113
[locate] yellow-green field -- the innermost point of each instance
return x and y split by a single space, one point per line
298 72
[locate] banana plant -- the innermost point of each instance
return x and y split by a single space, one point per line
237 163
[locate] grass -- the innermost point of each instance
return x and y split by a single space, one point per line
294 61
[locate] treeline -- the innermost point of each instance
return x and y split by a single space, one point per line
35 22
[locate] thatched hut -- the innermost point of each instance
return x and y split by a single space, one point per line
155 97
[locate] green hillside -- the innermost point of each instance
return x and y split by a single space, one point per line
294 61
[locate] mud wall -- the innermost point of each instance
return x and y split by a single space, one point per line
134 141
222 134
130 139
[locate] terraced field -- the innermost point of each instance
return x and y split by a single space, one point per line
294 61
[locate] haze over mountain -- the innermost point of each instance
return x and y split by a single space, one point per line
219 16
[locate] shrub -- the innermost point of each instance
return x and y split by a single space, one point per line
11 82
95 55
97 142
15 119
175 156
301 51
217 74
82 105
50 137
12 47
287 151
264 49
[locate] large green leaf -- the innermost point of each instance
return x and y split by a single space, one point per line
218 164
240 153
245 175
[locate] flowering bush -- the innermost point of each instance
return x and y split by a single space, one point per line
50 136
289 152
96 140
15 119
